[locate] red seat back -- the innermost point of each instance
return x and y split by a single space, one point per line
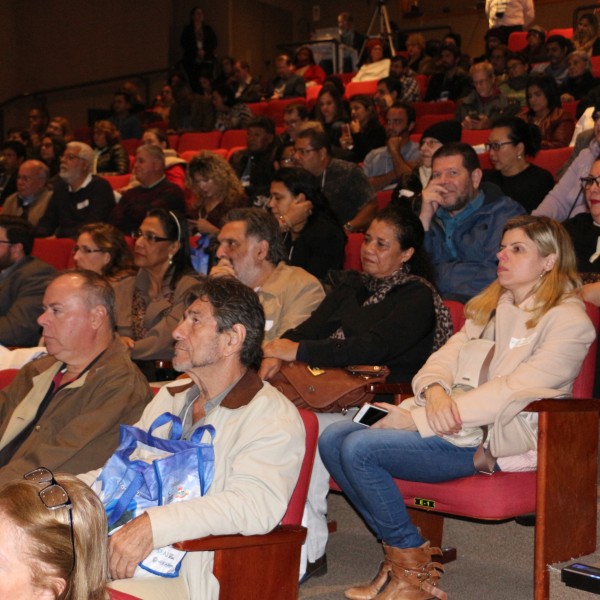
552 160
360 87
434 108
209 140
423 82
475 137
384 197
422 123
57 252
595 60
457 313
564 31
131 145
295 510
352 253
117 181
276 108
517 41
234 137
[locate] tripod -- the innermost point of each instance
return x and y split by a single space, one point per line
380 15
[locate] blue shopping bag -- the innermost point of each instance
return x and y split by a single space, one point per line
147 471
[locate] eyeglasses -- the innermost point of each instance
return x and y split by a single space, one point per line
588 182
87 250
150 236
72 157
54 496
304 151
5 242
496 145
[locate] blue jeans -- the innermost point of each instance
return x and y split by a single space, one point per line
364 461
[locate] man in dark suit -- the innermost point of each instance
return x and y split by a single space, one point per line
287 84
248 88
23 280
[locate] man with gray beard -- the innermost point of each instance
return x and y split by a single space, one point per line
463 220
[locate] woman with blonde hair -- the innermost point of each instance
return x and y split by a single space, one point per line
418 61
53 539
217 189
533 328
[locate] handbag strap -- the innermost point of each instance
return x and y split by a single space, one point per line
126 497
176 429
197 435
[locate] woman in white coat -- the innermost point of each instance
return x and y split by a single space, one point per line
535 330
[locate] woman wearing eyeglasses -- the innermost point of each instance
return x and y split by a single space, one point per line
102 248
510 143
53 540
150 305
584 229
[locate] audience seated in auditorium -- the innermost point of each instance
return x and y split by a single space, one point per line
23 280
216 190
61 127
38 119
153 191
51 149
452 83
535 50
566 199
111 156
286 84
78 198
517 70
306 67
365 132
246 87
345 185
377 66
585 36
258 448
83 390
388 314
230 113
558 48
486 102
251 249
418 61
32 196
163 103
410 90
13 155
102 248
544 109
293 116
410 185
174 165
330 112
254 165
123 118
149 305
584 228
510 143
498 57
314 239
463 220
191 112
580 80
454 39
399 156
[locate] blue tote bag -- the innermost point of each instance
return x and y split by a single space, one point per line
148 471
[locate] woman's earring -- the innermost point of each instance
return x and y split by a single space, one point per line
170 259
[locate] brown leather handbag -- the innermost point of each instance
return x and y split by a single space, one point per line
327 390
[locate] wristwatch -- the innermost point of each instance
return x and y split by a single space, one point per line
348 227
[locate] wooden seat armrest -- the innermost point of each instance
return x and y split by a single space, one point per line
564 405
282 534
397 389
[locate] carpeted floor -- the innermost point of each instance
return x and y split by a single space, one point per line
495 561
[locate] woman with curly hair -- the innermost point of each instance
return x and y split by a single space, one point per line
217 190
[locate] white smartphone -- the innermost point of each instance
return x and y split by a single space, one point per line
369 414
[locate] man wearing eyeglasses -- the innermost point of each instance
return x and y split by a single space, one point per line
23 280
154 191
64 410
79 198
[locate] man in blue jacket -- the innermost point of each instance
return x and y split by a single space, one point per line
463 220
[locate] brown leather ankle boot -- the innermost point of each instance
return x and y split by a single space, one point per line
370 590
414 576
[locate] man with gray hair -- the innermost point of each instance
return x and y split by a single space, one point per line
31 199
154 191
251 249
79 198
64 410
